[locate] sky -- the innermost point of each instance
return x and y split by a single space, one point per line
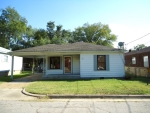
128 19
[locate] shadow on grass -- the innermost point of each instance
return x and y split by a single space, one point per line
5 79
145 80
140 79
72 80
8 78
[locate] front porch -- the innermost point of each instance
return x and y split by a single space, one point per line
54 66
62 65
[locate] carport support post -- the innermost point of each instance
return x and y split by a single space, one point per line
43 65
12 67
33 67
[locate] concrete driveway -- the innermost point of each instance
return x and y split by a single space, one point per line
36 76
14 94
12 90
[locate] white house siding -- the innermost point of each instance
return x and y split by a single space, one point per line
116 66
6 66
75 65
17 64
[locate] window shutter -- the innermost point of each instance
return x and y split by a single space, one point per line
107 62
95 63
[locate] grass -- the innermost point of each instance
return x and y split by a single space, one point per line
8 79
97 86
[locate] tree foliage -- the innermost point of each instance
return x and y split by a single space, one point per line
12 26
16 34
139 46
50 29
95 33
41 38
27 38
57 34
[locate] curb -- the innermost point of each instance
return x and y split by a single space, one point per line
61 96
31 94
101 96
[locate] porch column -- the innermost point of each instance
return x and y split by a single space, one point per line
12 67
33 67
44 65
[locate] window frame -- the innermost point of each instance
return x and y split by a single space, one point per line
101 62
147 61
53 57
133 60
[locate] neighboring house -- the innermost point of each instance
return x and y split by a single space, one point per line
5 63
138 61
81 59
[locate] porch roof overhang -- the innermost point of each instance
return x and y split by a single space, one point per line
41 54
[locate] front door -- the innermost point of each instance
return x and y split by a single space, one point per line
67 64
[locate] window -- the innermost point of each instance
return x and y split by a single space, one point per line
145 59
5 58
54 62
133 60
101 62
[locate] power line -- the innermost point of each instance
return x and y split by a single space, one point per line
138 38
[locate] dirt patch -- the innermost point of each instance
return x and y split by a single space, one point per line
13 85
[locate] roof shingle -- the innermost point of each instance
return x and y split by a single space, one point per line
78 46
138 52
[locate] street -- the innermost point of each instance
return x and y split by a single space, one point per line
75 106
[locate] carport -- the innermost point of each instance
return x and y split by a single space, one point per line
29 55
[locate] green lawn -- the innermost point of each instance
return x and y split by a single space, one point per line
8 79
103 86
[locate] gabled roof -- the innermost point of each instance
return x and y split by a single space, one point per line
78 46
145 50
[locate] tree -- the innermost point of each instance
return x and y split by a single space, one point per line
12 26
96 33
57 34
139 46
28 37
41 37
50 29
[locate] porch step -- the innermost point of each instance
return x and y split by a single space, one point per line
61 77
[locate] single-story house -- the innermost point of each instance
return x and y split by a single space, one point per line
84 60
138 61
6 61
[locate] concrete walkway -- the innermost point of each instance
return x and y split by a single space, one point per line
21 82
36 76
13 90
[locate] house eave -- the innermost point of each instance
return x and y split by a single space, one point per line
41 53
